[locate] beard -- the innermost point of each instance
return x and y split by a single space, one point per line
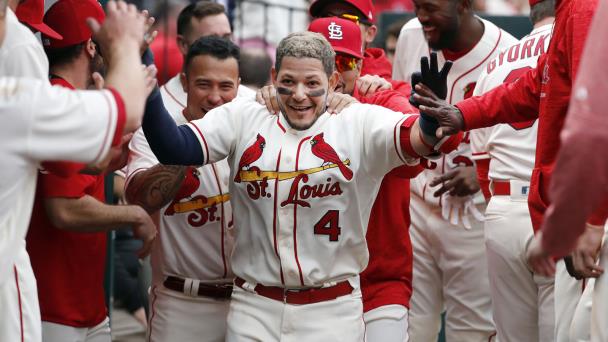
446 36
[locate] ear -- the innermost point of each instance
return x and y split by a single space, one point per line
370 34
273 75
90 48
182 44
184 81
333 81
238 83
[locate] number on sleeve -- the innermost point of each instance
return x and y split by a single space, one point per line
329 225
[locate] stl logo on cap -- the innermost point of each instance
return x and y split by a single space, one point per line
335 31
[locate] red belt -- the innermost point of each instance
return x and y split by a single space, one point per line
300 297
501 188
219 291
510 188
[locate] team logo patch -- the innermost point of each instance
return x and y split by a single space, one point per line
324 151
335 31
251 154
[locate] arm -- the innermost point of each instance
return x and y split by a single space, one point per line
154 188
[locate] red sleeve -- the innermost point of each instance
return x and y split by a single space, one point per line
483 167
401 87
63 168
74 186
392 100
121 117
507 103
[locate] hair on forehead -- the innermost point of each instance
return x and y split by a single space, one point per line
306 45
216 47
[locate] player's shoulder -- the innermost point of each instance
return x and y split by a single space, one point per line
412 25
495 36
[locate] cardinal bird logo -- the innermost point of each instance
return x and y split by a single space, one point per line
251 154
188 187
324 151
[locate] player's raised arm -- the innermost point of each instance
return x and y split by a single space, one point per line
120 38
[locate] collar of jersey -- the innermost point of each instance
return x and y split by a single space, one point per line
319 123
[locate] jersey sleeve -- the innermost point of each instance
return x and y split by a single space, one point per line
141 156
74 186
218 130
63 124
381 139
26 60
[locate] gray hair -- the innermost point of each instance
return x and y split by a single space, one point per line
306 45
542 10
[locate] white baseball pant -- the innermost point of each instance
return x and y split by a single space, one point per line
599 311
451 271
580 329
522 302
53 332
386 323
19 309
256 318
175 316
567 293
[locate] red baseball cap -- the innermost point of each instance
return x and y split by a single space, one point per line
343 35
364 6
69 18
30 12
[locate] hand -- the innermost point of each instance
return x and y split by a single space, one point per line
585 253
370 84
449 117
457 209
150 34
145 230
267 96
539 261
123 25
150 77
336 102
120 154
462 181
432 77
98 81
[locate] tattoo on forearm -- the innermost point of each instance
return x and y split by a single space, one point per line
154 188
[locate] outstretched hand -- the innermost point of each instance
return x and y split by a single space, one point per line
449 117
434 78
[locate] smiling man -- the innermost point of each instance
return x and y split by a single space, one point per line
303 184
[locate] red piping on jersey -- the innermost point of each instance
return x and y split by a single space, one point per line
280 125
295 208
19 298
219 188
274 219
475 67
204 142
105 139
153 312
173 97
490 337
442 172
395 140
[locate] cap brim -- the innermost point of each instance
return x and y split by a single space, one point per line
47 31
348 52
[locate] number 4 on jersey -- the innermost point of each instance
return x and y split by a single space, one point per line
512 77
329 225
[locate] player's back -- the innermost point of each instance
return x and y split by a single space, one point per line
510 146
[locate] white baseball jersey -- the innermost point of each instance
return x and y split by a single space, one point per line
411 46
302 198
196 235
511 147
41 122
175 98
21 54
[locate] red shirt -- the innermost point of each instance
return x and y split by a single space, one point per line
542 93
167 57
580 180
69 266
388 276
376 63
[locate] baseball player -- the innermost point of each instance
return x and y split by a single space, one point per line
584 131
69 266
505 153
191 273
46 123
542 92
450 268
199 19
386 283
361 12
302 184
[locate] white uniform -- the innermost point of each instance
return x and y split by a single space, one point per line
195 242
40 123
450 270
301 219
508 228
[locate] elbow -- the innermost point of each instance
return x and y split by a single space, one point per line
60 218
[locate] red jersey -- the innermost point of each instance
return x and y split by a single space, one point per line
388 276
69 266
542 93
376 63
167 57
